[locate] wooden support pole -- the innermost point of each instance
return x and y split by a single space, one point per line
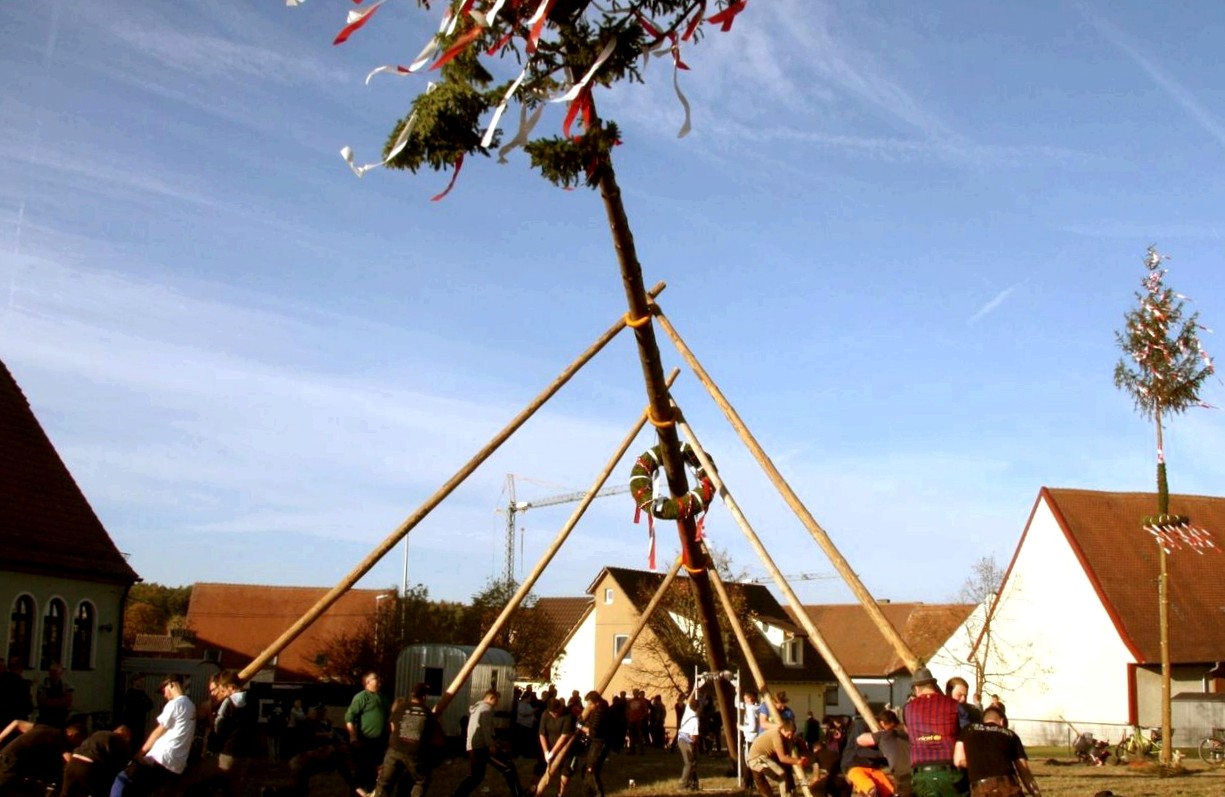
475 657
611 671
433 501
793 601
793 501
801 777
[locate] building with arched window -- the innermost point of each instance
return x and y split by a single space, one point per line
62 580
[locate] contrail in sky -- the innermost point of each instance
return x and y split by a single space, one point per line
995 302
1175 90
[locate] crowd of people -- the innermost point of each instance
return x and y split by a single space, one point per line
939 744
54 754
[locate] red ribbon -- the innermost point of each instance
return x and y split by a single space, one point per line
538 28
466 38
459 164
651 547
500 43
580 103
725 17
697 20
353 26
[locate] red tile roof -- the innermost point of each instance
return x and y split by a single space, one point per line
861 649
243 619
46 525
1121 561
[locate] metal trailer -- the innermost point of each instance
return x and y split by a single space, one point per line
437 665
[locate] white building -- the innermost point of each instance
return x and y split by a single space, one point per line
1073 632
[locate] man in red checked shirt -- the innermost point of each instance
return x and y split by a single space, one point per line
932 722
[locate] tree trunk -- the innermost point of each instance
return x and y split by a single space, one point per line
692 554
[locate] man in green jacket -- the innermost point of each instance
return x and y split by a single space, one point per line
366 720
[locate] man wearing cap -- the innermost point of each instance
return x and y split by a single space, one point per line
164 754
995 758
932 722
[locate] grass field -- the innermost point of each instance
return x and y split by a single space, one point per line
657 774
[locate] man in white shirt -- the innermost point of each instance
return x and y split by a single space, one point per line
164 753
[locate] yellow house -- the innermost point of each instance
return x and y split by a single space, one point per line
657 664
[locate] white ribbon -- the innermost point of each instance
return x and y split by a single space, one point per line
501 109
577 88
680 95
401 142
526 124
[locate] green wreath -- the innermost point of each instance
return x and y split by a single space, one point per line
691 504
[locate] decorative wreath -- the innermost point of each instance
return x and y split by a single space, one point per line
689 505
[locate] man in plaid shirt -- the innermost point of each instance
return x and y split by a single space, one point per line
932 722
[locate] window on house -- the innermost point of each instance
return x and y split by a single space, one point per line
619 641
53 635
793 652
831 696
608 595
83 637
21 630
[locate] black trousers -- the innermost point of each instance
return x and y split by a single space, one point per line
478 760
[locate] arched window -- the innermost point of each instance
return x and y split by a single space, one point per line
21 630
53 634
83 637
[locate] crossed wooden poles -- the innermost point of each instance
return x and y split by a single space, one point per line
703 577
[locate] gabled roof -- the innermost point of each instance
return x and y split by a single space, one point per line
864 652
243 619
1121 561
759 603
46 525
563 616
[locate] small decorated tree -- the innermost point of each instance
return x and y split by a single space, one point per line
1163 369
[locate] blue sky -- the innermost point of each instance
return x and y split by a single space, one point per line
900 238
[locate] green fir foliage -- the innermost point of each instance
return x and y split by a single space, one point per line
451 118
1164 365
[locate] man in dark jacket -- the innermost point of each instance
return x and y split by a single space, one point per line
95 763
412 746
596 727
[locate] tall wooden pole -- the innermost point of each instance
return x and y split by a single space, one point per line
430 503
475 657
797 608
1163 605
696 561
776 478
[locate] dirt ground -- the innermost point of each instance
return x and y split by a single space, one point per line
657 774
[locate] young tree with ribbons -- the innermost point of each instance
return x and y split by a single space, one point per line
1163 369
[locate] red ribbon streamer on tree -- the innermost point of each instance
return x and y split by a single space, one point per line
356 22
725 17
459 164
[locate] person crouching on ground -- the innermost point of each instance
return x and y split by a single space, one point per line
770 761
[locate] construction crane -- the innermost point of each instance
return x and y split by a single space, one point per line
796 577
514 507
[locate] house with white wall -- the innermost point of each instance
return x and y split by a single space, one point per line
1076 616
62 580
